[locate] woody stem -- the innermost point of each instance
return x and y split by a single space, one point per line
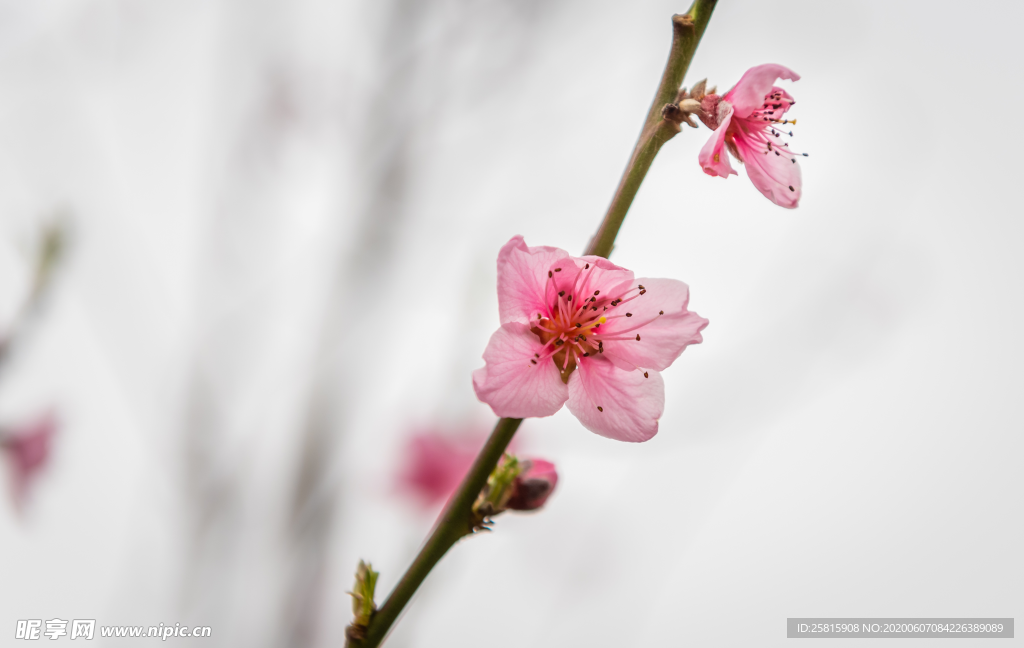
687 30
456 520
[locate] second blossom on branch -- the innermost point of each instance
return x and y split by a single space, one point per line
583 332
749 121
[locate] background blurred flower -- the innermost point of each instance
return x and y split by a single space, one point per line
27 450
435 463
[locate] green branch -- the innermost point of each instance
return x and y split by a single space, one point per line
687 30
455 522
457 519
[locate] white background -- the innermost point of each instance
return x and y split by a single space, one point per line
285 217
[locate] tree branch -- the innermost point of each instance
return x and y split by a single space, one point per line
687 30
456 520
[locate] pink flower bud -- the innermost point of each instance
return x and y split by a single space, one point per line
533 486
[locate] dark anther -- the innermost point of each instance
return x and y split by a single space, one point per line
586 355
600 409
661 312
646 375
536 355
560 343
586 267
578 325
595 310
629 314
561 294
550 275
569 298
791 188
533 361
641 287
637 337
643 292
558 269
597 292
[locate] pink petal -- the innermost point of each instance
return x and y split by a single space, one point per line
662 337
749 93
630 404
523 279
783 106
713 158
511 383
600 274
775 176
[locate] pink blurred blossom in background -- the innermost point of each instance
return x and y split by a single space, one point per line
434 464
27 452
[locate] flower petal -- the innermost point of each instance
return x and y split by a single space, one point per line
514 382
659 338
523 278
749 93
713 158
630 403
775 174
601 275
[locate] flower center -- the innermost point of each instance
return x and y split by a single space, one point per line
572 329
764 126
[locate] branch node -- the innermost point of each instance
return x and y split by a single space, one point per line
683 21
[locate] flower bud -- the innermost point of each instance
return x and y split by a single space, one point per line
533 486
362 593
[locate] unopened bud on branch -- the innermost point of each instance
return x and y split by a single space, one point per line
533 486
363 606
517 485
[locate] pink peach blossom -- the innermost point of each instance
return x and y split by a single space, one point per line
748 121
582 331
27 450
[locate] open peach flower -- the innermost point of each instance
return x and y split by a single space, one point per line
583 331
748 122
